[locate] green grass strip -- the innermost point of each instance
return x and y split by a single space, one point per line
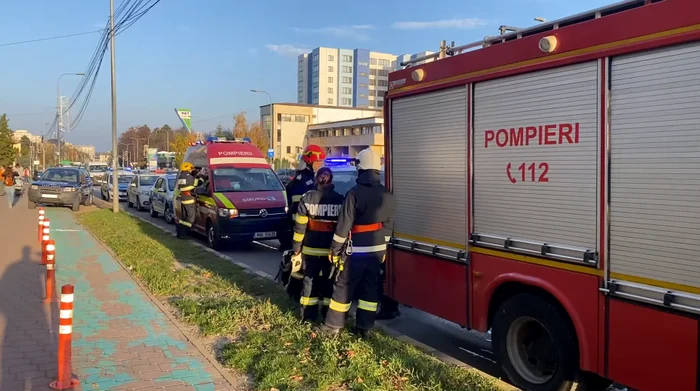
268 341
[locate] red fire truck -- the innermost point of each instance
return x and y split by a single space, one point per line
547 184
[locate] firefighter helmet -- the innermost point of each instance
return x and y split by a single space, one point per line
186 167
368 160
313 153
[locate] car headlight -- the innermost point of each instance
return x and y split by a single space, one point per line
69 189
225 212
286 209
145 192
34 187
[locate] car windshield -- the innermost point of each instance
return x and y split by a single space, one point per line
148 180
60 175
171 184
125 178
98 168
346 179
245 179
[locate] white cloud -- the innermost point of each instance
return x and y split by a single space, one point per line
359 32
286 50
466 23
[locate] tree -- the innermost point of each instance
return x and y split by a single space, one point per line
181 141
240 125
25 152
258 136
7 151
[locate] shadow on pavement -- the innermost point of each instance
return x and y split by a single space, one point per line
28 350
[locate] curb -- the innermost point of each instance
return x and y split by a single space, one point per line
233 381
441 356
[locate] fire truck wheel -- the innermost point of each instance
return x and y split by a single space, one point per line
534 342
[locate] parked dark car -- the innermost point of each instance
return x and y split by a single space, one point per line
62 186
285 175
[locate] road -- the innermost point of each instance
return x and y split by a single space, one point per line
461 347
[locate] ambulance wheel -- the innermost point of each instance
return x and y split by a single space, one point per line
213 238
535 344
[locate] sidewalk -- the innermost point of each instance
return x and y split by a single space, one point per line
121 339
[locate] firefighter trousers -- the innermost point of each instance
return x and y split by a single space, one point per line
189 211
318 287
359 280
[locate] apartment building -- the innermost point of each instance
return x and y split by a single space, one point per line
18 134
289 123
343 77
396 65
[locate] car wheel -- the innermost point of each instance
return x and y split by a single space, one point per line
535 344
168 214
88 200
152 211
138 204
107 198
32 205
213 238
76 205
129 204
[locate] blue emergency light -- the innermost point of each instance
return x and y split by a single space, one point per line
214 139
339 161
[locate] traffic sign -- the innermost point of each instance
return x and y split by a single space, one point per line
270 153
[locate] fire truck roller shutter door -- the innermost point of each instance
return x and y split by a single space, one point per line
536 156
654 182
429 165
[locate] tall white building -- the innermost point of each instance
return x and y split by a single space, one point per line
405 57
343 77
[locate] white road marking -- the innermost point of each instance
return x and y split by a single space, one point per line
476 355
67 230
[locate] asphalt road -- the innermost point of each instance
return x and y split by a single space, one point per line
455 344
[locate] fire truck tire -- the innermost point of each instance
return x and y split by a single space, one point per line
535 344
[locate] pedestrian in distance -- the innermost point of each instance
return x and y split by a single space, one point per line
359 247
2 181
315 224
8 178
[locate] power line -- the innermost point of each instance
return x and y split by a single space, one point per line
50 38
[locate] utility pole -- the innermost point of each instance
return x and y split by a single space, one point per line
115 181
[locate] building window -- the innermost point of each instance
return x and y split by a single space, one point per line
380 103
330 90
347 69
347 101
316 58
373 72
331 69
384 63
363 95
331 57
364 64
330 79
347 90
363 85
289 149
279 135
347 80
383 83
347 58
316 68
373 61
330 101
301 118
382 72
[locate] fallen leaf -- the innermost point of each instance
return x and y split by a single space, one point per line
351 353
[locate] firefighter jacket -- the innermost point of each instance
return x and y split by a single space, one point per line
315 221
366 217
303 181
186 184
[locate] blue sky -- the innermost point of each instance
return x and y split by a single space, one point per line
206 55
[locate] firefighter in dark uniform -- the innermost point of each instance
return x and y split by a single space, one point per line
186 183
314 227
364 228
311 159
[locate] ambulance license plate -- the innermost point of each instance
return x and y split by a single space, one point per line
265 235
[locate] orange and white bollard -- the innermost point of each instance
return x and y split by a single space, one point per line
44 238
42 216
65 380
50 257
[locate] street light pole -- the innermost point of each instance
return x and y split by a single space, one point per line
115 181
271 117
137 154
59 107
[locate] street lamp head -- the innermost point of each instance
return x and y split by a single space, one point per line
253 90
80 74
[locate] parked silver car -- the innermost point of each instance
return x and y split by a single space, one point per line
162 197
139 192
